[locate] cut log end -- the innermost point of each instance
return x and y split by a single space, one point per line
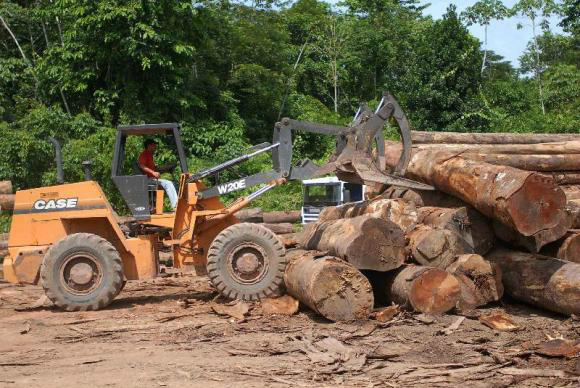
434 292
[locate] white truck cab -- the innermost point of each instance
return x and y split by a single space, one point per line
327 191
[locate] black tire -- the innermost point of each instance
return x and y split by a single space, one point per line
82 272
265 276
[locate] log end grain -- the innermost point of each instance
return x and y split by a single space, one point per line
434 292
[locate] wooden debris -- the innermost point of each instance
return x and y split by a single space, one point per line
284 305
499 321
364 241
454 326
329 286
543 281
239 310
387 314
558 348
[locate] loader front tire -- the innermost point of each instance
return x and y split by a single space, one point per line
82 272
247 261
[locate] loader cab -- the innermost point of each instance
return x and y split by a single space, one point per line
134 185
319 193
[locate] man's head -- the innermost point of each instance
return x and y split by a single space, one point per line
150 145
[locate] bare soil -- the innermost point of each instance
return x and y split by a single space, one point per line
164 332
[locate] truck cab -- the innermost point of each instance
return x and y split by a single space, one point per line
319 193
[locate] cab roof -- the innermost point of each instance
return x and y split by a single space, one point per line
148 129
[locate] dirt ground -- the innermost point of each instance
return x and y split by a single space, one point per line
164 333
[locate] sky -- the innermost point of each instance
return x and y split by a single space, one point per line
503 37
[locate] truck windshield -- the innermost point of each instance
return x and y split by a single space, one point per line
322 194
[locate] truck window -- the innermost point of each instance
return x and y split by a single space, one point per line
321 195
356 191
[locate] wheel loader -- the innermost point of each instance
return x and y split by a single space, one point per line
69 239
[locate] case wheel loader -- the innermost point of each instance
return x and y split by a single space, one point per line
68 237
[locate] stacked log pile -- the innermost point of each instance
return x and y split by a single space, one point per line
279 222
6 204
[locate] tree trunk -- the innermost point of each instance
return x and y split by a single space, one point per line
554 148
282 217
572 192
283 228
480 281
6 201
365 242
402 213
329 286
488 138
6 187
425 289
453 219
526 201
408 195
541 281
567 248
535 242
565 177
436 247
573 207
254 215
569 162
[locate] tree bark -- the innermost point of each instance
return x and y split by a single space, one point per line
282 217
542 163
329 286
425 289
573 207
6 187
480 281
254 215
364 241
436 247
555 148
400 212
6 201
567 248
283 228
541 281
404 194
489 138
453 219
526 201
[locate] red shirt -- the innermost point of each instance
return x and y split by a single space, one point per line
146 160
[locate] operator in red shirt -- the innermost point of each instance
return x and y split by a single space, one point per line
147 165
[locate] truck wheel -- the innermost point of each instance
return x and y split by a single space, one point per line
82 272
247 261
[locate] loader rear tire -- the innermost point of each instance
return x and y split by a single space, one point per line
82 272
247 261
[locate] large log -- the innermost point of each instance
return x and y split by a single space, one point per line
7 201
6 187
454 219
254 215
526 201
280 217
557 148
567 248
329 286
436 247
541 281
284 228
425 289
572 192
489 138
408 195
565 177
400 212
364 241
573 207
480 281
569 162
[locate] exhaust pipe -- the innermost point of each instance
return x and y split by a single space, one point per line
58 160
